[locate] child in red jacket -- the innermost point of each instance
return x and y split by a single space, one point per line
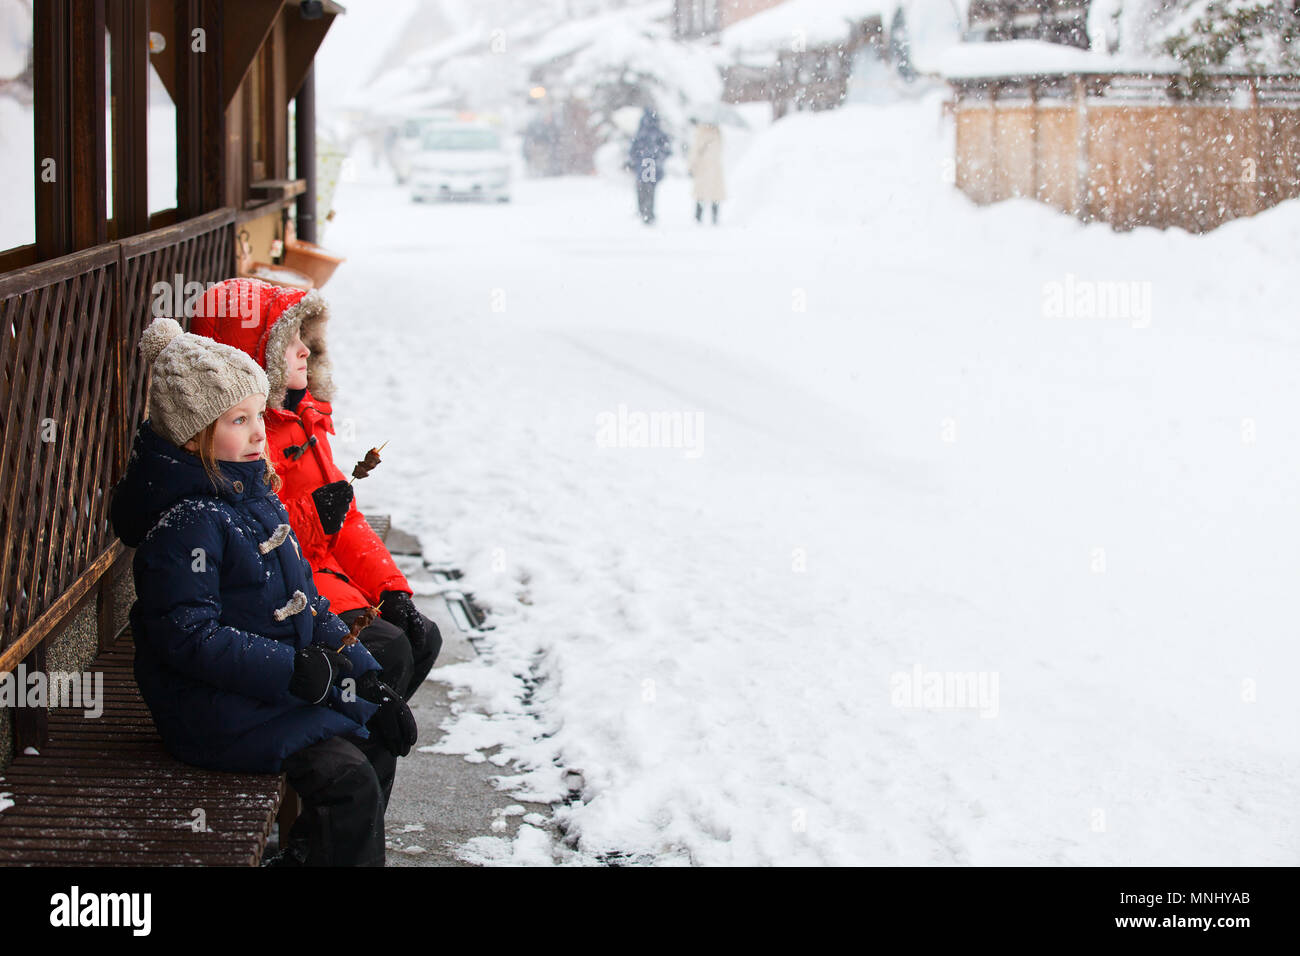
282 329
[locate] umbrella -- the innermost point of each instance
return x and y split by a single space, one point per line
718 114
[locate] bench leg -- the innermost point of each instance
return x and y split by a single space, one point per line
288 813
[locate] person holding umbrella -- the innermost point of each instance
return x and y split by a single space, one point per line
704 160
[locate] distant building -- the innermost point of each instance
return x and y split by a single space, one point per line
800 54
708 18
1056 21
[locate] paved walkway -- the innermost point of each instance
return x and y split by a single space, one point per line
440 801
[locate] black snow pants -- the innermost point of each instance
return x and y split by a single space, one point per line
344 783
388 644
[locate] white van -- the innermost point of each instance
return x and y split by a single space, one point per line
461 161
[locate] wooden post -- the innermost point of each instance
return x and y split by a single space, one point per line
304 119
995 194
88 134
1033 125
1254 197
1082 193
129 29
200 111
52 143
32 724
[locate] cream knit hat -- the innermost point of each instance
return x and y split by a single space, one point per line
195 379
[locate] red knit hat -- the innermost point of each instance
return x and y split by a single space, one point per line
260 319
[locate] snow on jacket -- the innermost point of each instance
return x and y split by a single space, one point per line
224 601
351 567
705 163
649 148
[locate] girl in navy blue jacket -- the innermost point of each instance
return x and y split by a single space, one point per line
240 660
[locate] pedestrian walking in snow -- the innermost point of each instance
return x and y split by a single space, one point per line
242 664
646 157
704 160
283 331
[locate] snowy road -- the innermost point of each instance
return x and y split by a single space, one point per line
893 464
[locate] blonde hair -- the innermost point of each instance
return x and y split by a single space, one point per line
207 442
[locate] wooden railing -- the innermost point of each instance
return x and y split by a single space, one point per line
72 389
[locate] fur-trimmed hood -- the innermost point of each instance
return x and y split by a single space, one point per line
261 319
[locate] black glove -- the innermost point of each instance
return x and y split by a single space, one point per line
393 722
332 502
398 608
315 670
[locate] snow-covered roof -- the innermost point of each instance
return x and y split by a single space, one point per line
649 51
816 22
572 37
1028 57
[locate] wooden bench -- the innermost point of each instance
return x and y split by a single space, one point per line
104 792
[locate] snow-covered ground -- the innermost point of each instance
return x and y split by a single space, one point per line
903 455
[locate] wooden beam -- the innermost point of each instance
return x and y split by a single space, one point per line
277 99
302 40
88 132
129 28
200 111
52 144
246 25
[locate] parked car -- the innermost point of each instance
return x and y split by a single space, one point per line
461 161
407 137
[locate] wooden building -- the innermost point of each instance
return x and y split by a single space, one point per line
706 18
75 299
1056 21
799 56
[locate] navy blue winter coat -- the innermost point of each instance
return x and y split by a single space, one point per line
224 600
649 148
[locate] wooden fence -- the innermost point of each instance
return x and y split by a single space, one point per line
1131 150
72 389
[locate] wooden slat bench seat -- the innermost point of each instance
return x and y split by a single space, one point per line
104 792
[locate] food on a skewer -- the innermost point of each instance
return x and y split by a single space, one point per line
364 467
359 624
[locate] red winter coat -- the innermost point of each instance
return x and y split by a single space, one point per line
351 567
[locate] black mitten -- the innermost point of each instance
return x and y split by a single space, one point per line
398 608
315 670
332 502
393 722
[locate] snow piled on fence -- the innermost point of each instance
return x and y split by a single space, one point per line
907 469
